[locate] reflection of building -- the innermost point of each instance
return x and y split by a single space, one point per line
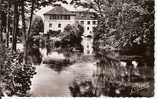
87 45
59 17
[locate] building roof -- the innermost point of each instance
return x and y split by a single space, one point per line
85 15
59 10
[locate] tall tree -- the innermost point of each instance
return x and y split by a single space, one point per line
122 23
8 23
71 36
28 8
16 21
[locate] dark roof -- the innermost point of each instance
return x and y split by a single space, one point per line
59 10
85 16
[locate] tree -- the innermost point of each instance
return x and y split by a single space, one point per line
16 21
96 5
5 13
35 4
71 36
15 76
122 23
37 25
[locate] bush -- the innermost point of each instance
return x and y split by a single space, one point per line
15 76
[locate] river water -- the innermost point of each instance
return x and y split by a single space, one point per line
79 78
86 77
49 82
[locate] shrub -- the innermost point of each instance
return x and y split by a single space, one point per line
15 76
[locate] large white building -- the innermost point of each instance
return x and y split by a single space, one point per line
59 17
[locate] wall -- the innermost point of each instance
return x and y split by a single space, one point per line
55 23
90 26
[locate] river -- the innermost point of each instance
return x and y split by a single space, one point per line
89 77
49 82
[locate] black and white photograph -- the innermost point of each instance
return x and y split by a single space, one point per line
77 48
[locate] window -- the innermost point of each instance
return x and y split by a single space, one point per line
88 22
82 22
68 17
54 17
87 28
94 22
50 25
60 17
50 17
59 25
65 17
93 28
57 17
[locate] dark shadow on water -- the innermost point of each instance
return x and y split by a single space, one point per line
58 65
83 89
36 56
114 80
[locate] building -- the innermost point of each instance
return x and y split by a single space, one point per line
87 20
59 17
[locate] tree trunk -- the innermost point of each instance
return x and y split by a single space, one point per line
0 28
26 35
8 24
1 1
31 17
24 31
15 30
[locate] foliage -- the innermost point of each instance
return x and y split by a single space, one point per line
15 76
71 36
122 23
37 25
127 24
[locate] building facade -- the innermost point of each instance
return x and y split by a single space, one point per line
59 17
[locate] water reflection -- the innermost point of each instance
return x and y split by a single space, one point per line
55 79
57 76
79 76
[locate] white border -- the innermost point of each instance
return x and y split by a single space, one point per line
155 76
